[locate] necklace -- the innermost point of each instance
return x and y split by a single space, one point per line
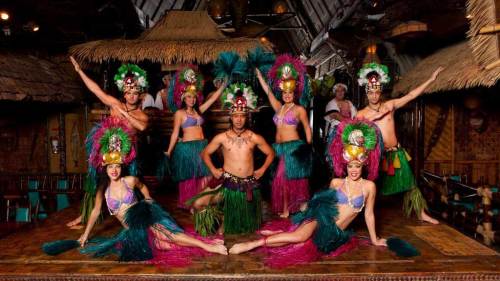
128 110
349 198
378 108
238 140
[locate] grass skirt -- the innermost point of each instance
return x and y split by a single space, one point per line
188 189
186 160
133 243
240 214
297 156
328 239
295 191
398 177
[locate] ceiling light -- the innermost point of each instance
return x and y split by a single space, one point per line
4 15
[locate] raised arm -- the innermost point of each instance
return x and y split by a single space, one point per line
413 94
175 132
305 123
208 151
96 211
93 87
208 103
369 216
267 150
275 103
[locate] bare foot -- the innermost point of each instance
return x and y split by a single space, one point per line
218 249
217 242
270 232
77 227
425 217
74 222
241 248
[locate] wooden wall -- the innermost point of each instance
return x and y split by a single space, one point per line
460 149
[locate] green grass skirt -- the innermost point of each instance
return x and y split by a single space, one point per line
240 215
186 160
297 157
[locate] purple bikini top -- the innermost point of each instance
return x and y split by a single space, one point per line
114 204
342 199
287 119
192 121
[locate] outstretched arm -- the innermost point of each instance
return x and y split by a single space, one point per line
413 94
275 103
142 187
208 151
96 211
93 87
208 103
268 151
370 217
175 133
305 123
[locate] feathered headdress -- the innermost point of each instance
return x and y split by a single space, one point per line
186 82
288 74
113 142
129 76
228 65
239 98
259 58
356 140
373 76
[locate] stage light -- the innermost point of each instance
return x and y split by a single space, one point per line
4 16
36 28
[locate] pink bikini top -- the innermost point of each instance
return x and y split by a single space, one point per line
115 204
288 118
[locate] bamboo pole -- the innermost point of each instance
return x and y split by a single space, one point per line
490 29
452 138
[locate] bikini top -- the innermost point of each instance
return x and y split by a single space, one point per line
192 121
357 202
288 118
115 204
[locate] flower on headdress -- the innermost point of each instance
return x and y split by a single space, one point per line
129 75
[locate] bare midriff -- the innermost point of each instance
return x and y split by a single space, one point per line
192 133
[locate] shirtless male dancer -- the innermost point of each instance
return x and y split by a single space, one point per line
239 195
397 174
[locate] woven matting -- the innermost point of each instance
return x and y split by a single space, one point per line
450 242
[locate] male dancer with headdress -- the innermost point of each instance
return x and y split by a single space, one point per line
131 80
397 175
238 198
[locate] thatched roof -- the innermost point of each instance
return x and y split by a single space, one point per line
485 47
462 72
179 37
28 78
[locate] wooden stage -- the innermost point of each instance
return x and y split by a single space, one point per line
446 255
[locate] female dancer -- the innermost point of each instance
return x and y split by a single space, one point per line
146 224
290 186
329 213
187 167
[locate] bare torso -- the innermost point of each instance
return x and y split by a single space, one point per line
346 213
238 153
385 123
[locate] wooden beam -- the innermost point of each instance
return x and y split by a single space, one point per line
490 29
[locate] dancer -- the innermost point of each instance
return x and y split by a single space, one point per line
290 186
131 80
322 224
113 150
186 100
238 198
397 174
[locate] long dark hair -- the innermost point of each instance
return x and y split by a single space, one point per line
195 106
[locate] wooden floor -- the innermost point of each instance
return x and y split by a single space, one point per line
22 259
